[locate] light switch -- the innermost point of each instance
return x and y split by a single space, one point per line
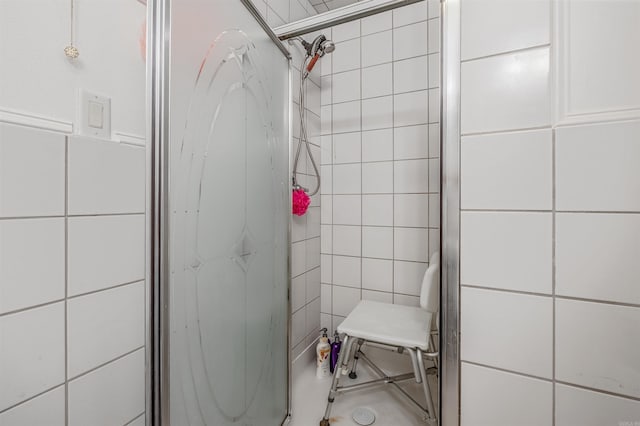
96 118
93 115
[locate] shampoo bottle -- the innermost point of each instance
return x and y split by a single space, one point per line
323 350
335 351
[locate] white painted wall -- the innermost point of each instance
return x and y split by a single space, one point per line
550 219
72 235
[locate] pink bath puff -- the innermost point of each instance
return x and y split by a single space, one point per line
301 202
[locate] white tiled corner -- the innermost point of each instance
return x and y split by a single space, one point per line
377 145
411 142
433 38
325 298
347 209
497 398
377 49
32 355
505 92
507 330
410 75
377 210
377 242
434 140
583 331
313 318
32 172
326 238
509 171
509 250
596 167
103 326
411 244
404 41
377 113
411 108
346 240
411 176
110 395
434 210
411 210
377 274
298 258
32 260
344 300
105 251
105 177
312 253
575 406
377 81
377 178
346 271
47 409
497 26
597 256
325 90
298 326
434 70
407 277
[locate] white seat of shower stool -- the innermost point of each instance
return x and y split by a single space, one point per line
394 325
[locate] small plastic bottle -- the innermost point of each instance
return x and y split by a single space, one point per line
323 351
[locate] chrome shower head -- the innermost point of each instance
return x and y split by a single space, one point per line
319 46
327 46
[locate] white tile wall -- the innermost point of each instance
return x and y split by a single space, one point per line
507 330
32 172
583 331
495 398
380 223
32 262
508 250
44 410
550 202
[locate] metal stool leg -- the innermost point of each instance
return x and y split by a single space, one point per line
336 376
353 375
425 385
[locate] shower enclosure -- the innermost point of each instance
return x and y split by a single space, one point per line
221 94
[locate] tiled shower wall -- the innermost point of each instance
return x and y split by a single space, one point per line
550 221
72 232
380 158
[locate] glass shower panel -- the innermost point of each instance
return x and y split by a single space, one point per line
228 226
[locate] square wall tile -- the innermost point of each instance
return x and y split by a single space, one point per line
411 210
344 300
326 149
411 142
312 253
376 23
410 75
32 355
575 406
507 330
597 168
377 145
434 175
377 296
510 171
377 113
346 86
510 91
410 14
94 188
347 179
346 57
325 90
326 121
32 260
497 26
346 31
377 178
404 41
326 269
47 409
298 326
326 238
103 326
507 250
346 271
408 276
326 180
377 274
346 117
580 360
597 256
497 398
325 298
298 289
347 148
377 210
298 258
376 49
411 244
346 240
347 209
113 394
411 176
411 108
32 172
377 81
313 318
405 300
377 242
105 251
434 105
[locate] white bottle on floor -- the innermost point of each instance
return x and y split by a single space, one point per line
323 350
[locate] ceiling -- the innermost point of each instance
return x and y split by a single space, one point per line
325 5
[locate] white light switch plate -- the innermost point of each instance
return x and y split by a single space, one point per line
94 115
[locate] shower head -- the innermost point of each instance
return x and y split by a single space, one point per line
317 49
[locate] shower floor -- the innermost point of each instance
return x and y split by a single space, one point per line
390 409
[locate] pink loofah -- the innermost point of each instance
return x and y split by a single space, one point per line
301 202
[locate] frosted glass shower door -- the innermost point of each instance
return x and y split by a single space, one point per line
228 226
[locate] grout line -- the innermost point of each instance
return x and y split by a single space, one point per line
553 276
361 171
31 398
135 418
552 210
101 290
66 281
393 165
503 131
32 217
28 308
505 370
427 123
104 364
508 52
606 392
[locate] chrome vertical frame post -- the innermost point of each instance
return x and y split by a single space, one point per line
450 166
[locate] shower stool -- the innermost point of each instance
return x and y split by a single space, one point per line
405 328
